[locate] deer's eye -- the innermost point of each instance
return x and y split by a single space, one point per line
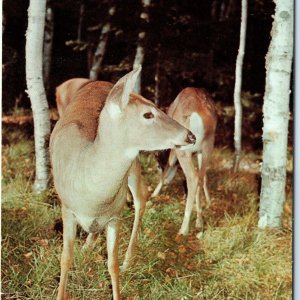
148 115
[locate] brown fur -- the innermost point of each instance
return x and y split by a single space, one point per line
66 91
85 109
204 106
190 101
93 168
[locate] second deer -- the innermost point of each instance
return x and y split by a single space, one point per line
194 109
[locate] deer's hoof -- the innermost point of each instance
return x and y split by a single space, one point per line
183 232
124 267
199 235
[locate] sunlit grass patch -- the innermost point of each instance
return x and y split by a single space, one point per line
232 259
245 261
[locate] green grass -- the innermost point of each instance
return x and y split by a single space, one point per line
233 259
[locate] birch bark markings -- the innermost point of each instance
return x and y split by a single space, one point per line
238 88
276 116
100 51
36 91
48 43
140 53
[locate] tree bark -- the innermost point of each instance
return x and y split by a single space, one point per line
238 88
36 91
157 77
139 56
48 43
100 51
276 116
81 13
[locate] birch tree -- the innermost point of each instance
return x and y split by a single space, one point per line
238 88
36 91
276 116
140 53
100 50
48 43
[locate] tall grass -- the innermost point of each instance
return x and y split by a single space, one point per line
232 259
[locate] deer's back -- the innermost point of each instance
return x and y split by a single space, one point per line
85 109
66 91
196 100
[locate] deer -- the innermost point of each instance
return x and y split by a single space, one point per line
66 91
194 109
94 149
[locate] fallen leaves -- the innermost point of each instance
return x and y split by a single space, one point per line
132 298
26 118
40 241
182 249
19 212
43 242
161 255
149 233
19 120
99 258
28 255
171 272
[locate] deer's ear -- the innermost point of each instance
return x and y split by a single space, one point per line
118 97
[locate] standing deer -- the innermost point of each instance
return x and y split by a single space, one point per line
194 109
94 148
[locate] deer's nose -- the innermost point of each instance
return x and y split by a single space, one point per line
190 138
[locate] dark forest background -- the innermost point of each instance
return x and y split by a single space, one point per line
189 43
195 41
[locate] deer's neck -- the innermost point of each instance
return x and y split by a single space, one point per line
109 157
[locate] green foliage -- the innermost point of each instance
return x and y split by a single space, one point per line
233 259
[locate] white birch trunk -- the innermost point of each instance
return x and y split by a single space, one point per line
139 56
238 88
36 91
48 43
276 116
101 48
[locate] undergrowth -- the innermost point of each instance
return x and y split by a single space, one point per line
232 259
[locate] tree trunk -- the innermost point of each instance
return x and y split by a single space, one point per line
157 77
81 13
238 88
48 42
139 56
36 91
100 51
276 116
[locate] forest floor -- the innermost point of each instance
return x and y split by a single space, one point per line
232 259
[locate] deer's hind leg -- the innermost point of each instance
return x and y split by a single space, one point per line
191 175
90 241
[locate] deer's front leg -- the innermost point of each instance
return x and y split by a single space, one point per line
139 193
69 233
112 240
168 174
